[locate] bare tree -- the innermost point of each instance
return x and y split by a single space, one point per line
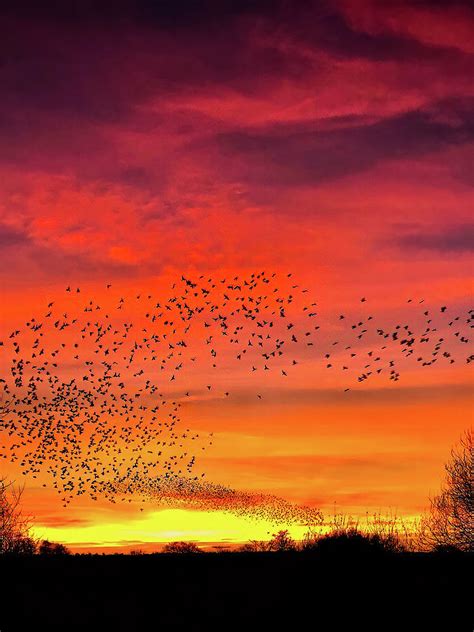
450 520
14 526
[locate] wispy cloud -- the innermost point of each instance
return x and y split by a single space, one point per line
451 240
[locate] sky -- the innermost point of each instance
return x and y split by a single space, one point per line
143 140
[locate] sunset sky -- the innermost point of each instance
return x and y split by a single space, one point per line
142 140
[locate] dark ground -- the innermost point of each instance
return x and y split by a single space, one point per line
252 591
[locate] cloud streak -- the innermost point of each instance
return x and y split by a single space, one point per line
453 240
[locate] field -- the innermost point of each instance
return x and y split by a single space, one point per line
247 591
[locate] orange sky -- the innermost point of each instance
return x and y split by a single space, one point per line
333 141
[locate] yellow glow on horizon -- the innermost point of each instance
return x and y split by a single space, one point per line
166 526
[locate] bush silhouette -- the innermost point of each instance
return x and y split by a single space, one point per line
282 541
52 548
255 546
352 542
24 546
181 547
447 549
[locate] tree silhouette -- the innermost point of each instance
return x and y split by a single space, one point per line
14 526
450 520
24 546
282 541
255 546
52 548
181 547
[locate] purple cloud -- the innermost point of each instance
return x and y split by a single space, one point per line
457 239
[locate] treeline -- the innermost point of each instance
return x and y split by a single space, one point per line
30 546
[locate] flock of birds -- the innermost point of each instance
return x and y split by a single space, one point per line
91 389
